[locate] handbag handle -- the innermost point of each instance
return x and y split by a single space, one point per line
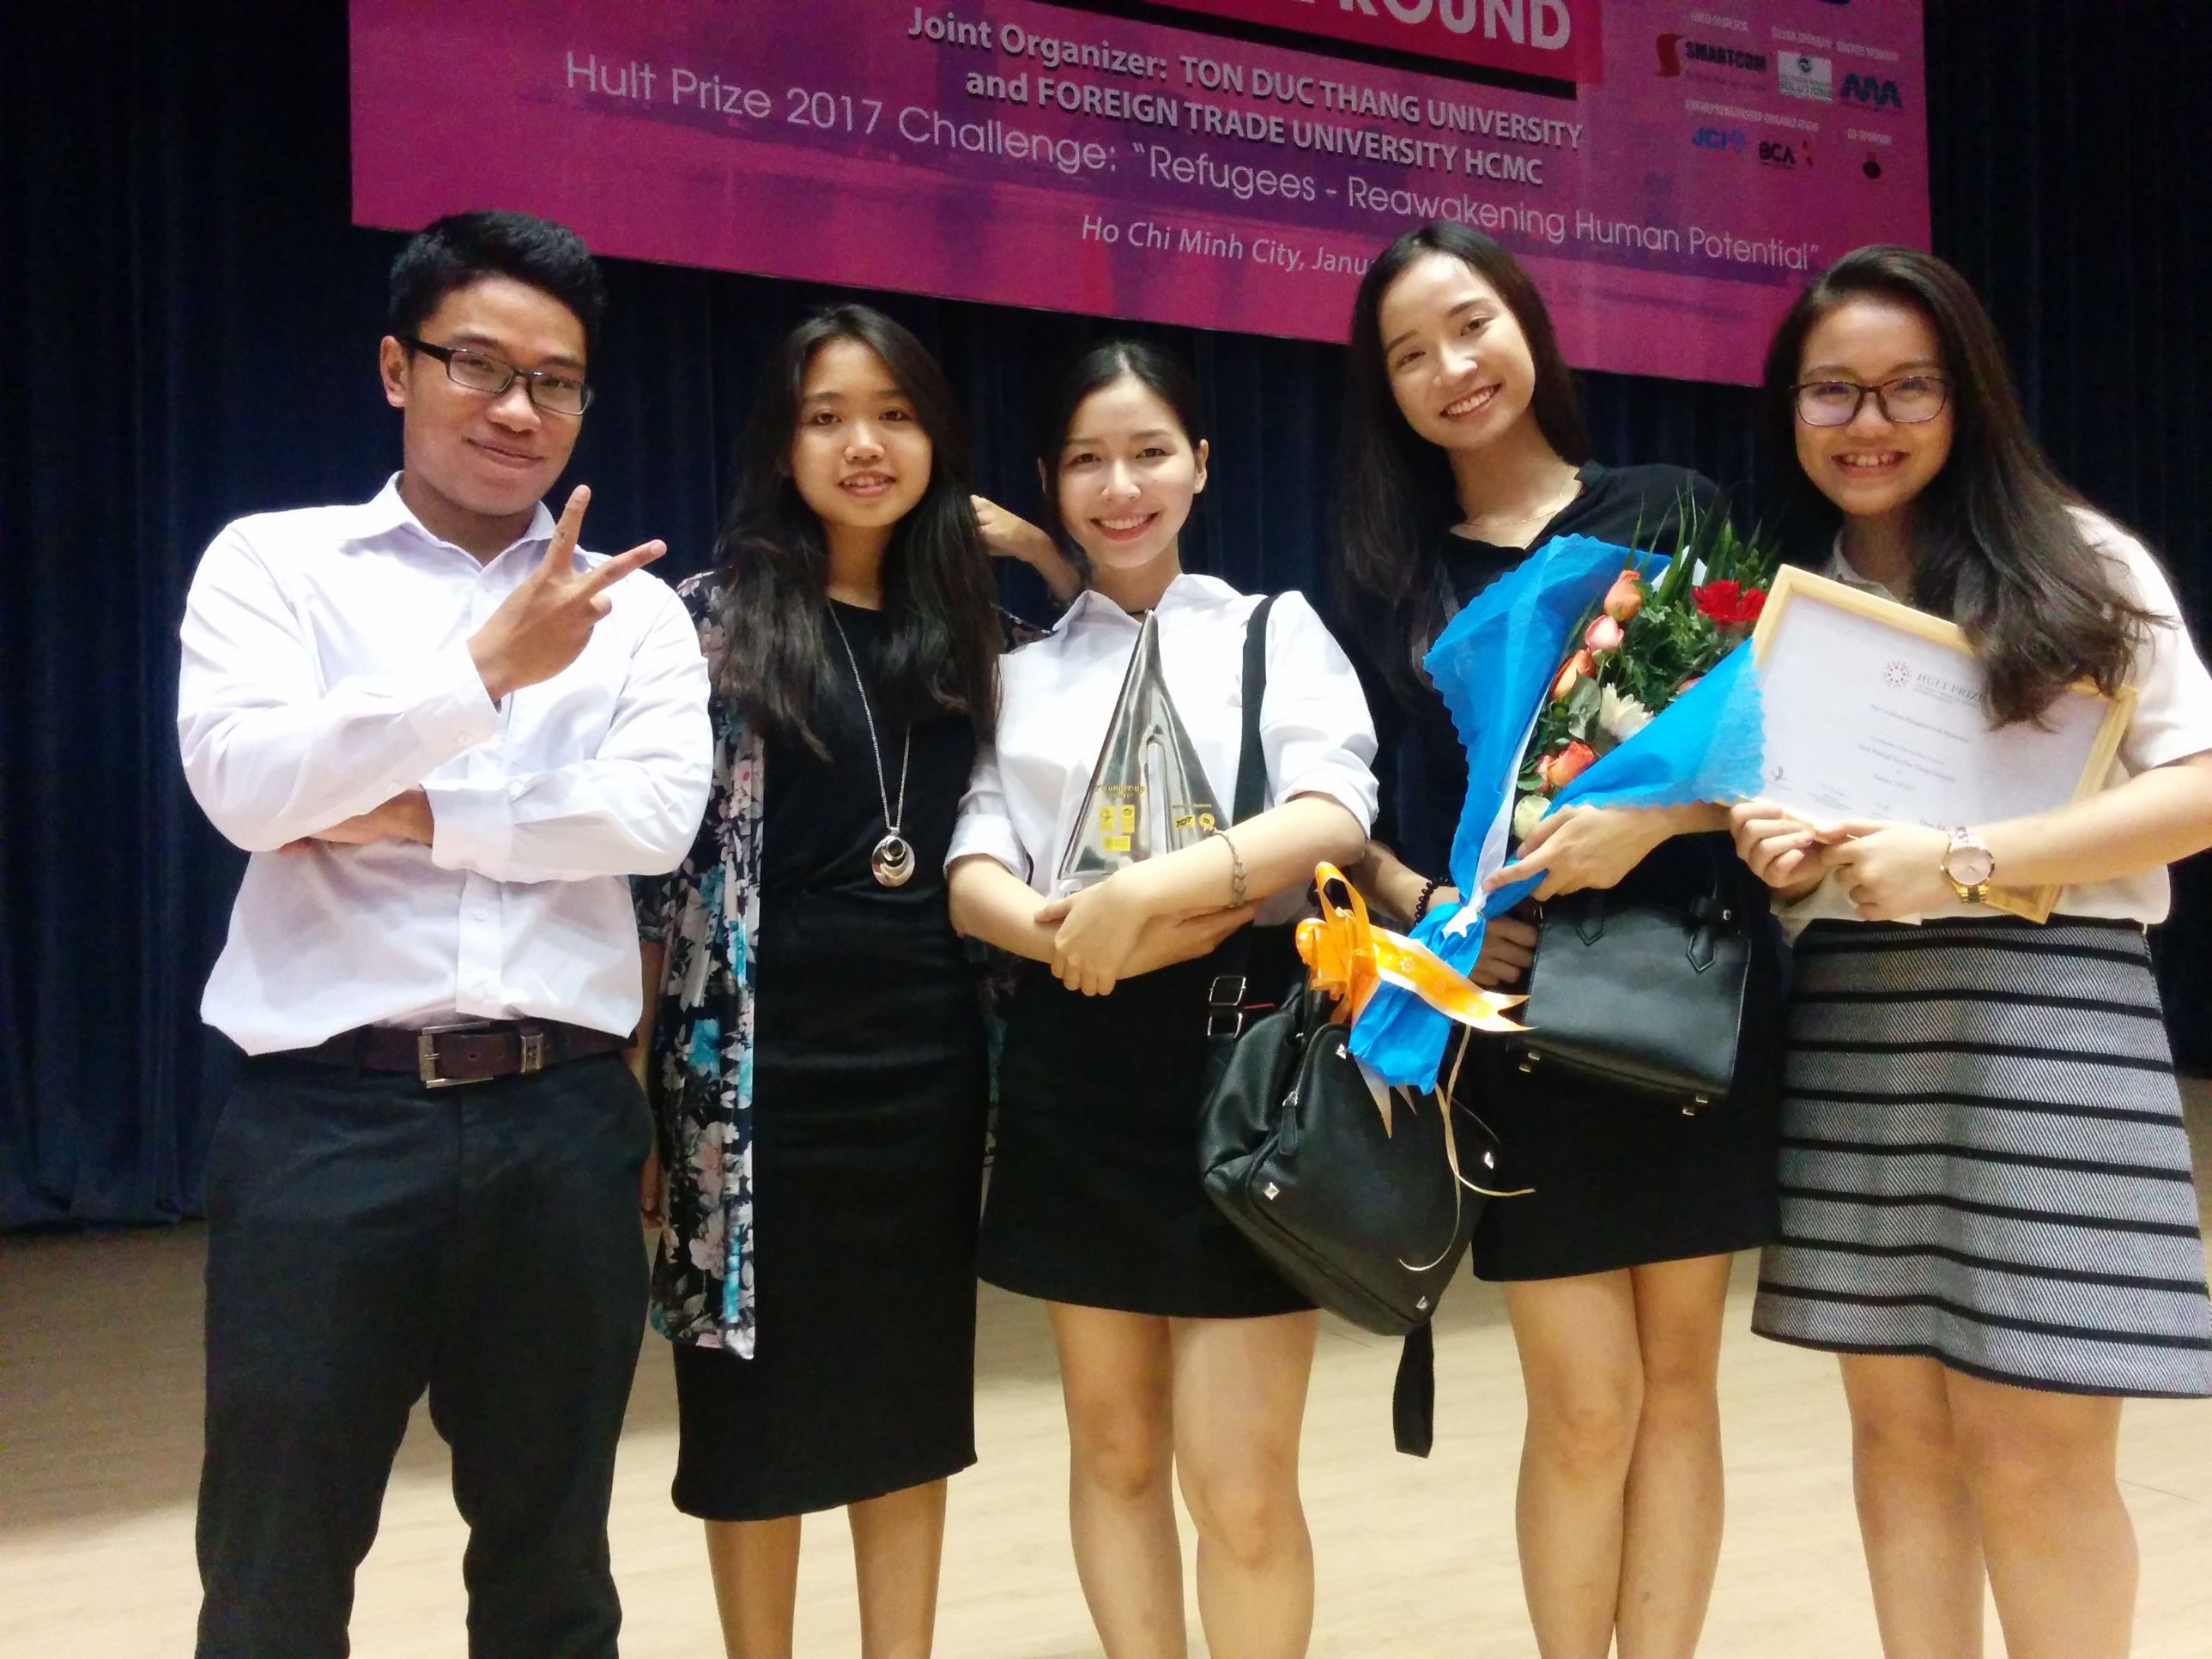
1705 914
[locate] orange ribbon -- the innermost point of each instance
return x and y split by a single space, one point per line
1349 957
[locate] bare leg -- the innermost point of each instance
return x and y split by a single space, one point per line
898 1540
755 1565
1240 1399
1583 1374
1115 1376
1923 1544
2061 1549
1672 1543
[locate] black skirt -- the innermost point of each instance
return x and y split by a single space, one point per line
869 1094
1622 1179
1095 1196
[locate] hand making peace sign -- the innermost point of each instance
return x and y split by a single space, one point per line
543 625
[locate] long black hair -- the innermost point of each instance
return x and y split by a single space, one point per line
1996 546
1100 366
1399 496
941 638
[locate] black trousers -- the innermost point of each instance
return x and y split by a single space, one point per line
369 1239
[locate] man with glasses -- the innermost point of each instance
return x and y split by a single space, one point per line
447 737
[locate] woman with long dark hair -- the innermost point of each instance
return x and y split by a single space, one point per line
1465 451
1182 1353
1987 1211
815 1048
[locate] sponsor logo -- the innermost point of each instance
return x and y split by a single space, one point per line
1800 74
1872 166
1872 90
1781 153
1730 140
1675 51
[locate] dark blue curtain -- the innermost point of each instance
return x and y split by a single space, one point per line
187 329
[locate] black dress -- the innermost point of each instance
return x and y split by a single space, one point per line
869 1093
1619 1180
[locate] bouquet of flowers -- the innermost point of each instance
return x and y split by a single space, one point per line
1661 626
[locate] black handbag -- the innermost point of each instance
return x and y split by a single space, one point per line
1356 1199
1668 986
1368 1216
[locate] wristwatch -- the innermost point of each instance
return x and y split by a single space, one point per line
1969 865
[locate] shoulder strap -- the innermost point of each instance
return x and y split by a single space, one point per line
1234 958
1251 756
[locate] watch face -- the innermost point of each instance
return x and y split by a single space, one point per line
1968 865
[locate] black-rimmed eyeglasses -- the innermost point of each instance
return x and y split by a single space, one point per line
551 389
1907 400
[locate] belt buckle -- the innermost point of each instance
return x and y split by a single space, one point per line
426 1053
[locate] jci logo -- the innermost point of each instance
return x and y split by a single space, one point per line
1720 138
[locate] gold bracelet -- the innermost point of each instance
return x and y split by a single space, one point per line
1236 872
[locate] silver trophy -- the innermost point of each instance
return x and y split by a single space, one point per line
1149 793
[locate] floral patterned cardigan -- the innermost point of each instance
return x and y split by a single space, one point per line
701 1065
700 1075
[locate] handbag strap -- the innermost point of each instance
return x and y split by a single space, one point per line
1225 995
1251 757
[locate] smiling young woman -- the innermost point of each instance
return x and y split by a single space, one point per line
1183 1354
816 1051
1465 451
1987 1210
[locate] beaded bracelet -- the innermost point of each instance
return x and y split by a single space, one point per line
1421 904
1236 872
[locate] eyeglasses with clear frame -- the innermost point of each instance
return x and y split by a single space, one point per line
1907 400
552 389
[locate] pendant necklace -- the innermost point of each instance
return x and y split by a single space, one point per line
892 861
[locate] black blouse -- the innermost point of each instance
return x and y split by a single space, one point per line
1422 766
821 820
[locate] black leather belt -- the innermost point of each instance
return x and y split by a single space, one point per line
470 1051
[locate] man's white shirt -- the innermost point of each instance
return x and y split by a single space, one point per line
325 670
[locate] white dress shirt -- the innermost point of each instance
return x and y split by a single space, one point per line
1056 695
2172 721
325 670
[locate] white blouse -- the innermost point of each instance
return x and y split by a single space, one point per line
1057 694
2173 721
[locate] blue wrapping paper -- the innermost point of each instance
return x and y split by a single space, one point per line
1494 664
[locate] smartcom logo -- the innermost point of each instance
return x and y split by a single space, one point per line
1677 50
1873 91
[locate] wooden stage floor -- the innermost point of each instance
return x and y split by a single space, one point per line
99 1423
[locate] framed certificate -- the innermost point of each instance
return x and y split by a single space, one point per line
1875 710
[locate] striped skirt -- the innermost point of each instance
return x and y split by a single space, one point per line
1983 1158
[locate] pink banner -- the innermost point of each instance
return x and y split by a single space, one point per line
1670 186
